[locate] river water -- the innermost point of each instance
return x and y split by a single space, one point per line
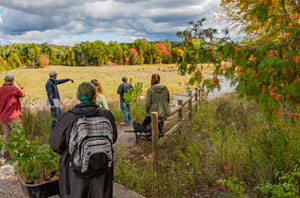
225 87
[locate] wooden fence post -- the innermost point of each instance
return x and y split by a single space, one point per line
154 129
203 94
196 98
155 132
199 94
180 111
190 105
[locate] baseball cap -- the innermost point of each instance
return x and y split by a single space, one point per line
9 76
52 73
124 78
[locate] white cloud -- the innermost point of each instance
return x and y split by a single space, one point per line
54 20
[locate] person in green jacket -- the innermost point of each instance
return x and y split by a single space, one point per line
101 100
157 100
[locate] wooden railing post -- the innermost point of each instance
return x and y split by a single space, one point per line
199 94
154 129
190 105
203 94
180 111
196 98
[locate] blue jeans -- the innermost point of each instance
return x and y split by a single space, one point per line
54 115
125 108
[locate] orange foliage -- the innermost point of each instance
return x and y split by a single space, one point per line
296 59
276 112
236 50
216 80
199 74
274 95
272 53
239 71
266 2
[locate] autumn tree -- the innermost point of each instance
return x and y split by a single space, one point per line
13 61
265 67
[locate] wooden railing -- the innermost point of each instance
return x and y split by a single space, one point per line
194 99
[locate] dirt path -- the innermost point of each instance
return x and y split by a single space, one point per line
127 140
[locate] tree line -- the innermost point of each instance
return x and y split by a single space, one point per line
89 53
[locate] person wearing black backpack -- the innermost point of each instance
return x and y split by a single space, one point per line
84 137
125 106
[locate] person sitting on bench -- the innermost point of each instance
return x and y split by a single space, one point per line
145 126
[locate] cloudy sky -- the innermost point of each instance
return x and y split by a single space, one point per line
70 21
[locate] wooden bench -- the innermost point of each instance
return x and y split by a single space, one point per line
139 135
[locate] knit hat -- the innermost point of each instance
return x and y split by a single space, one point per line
8 77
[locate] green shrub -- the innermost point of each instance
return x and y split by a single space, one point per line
36 122
127 173
288 184
229 140
116 111
35 162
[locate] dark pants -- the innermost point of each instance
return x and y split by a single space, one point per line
147 121
54 115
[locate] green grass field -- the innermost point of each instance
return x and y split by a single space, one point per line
33 80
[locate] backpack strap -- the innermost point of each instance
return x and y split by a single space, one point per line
80 113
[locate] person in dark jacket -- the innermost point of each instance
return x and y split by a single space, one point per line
157 100
125 106
72 185
53 96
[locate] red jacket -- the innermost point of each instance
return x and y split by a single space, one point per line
10 105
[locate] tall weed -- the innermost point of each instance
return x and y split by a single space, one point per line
229 140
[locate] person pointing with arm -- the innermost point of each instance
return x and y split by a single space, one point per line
53 96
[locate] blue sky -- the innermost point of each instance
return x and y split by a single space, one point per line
70 21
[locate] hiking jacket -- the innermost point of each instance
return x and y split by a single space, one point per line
52 90
157 100
10 105
122 89
102 102
70 184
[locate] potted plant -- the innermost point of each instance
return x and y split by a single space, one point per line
36 165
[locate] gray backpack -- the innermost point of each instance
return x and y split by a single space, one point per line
90 144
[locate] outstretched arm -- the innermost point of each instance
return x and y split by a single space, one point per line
63 81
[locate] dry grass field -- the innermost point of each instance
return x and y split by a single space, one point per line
33 80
